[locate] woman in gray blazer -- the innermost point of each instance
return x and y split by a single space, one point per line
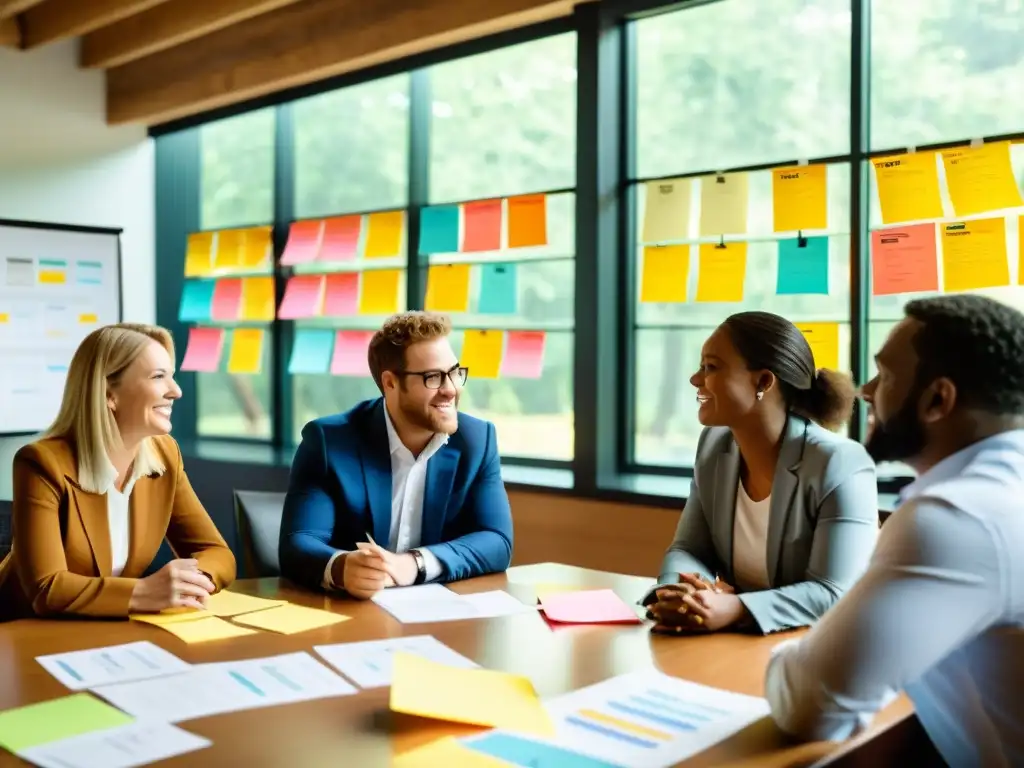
782 515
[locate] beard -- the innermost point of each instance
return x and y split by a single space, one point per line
431 418
899 437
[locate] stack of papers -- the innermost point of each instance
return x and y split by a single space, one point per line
369 664
428 603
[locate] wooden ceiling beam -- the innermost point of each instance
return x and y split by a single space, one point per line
10 33
9 8
302 43
169 24
58 19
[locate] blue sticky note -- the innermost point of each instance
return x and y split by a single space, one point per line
803 266
196 301
499 291
439 229
520 751
311 351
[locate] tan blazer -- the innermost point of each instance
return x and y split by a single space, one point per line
60 559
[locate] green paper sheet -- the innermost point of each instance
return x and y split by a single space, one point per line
48 721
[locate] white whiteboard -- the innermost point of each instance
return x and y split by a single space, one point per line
56 285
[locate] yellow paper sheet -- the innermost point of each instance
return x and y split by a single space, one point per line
226 603
378 293
724 201
257 298
824 341
908 187
256 248
448 288
199 256
527 221
974 255
800 198
665 273
481 353
290 619
205 630
446 752
384 236
980 179
667 210
246 350
475 696
175 616
228 253
722 272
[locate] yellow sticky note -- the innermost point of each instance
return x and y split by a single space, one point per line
527 221
448 288
173 616
246 350
667 210
89 318
446 751
724 201
908 187
205 629
4 317
228 249
974 255
290 619
475 696
199 256
665 273
226 603
52 277
384 235
980 179
256 247
257 298
800 198
722 272
481 353
824 341
378 294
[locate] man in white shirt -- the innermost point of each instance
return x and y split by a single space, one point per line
939 613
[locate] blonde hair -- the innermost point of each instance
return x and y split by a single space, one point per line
84 418
399 332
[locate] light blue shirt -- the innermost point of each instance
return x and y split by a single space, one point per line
939 614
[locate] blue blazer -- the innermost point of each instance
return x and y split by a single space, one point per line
340 489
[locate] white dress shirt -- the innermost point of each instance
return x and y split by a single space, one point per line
118 507
408 483
939 613
750 542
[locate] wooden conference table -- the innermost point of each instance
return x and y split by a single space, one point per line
360 730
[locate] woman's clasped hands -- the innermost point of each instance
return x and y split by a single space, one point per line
695 605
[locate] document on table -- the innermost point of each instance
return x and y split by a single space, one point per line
80 670
125 746
369 664
497 603
231 686
433 602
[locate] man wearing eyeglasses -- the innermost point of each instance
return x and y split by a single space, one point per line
403 489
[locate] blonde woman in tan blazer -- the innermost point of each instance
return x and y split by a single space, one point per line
94 499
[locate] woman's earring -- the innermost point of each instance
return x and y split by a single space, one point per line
760 395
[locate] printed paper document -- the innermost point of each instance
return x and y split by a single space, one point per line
126 746
80 670
369 664
433 602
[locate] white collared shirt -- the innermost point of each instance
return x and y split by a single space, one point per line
118 507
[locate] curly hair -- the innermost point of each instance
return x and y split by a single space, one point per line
399 332
975 342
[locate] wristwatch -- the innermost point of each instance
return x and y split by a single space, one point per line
421 566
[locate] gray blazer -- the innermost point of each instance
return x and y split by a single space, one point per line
822 526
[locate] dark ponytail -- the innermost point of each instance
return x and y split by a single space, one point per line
828 401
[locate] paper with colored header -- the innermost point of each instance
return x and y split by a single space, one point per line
303 243
48 721
303 297
446 752
665 274
290 619
974 255
199 254
204 349
125 746
256 248
196 301
341 294
824 341
800 198
803 266
384 238
722 272
205 630
527 221
518 750
524 354
439 229
499 289
379 292
341 238
593 606
481 353
350 353
908 187
484 697
481 224
980 179
246 350
448 288
724 204
257 298
227 253
667 210
81 670
227 299
904 260
369 664
311 351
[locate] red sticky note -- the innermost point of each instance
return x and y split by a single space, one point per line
524 354
204 349
303 243
342 294
303 297
481 222
527 221
227 298
596 606
903 260
341 238
350 348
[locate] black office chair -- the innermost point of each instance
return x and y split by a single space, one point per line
5 528
258 521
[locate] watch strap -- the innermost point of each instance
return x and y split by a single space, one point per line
421 566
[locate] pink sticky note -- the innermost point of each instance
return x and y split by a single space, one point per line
204 350
596 606
303 243
350 349
342 294
524 354
303 296
227 298
341 238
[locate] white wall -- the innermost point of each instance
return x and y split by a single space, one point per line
60 162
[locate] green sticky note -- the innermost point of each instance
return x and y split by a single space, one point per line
61 718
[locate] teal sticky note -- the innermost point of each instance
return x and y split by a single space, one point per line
439 229
499 291
311 351
196 301
803 266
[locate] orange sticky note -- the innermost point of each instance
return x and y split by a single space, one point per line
341 238
666 271
527 221
378 293
384 238
481 353
448 288
341 294
257 298
800 198
595 606
246 350
481 224
199 256
303 243
722 273
903 260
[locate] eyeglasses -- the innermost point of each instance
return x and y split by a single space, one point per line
435 379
